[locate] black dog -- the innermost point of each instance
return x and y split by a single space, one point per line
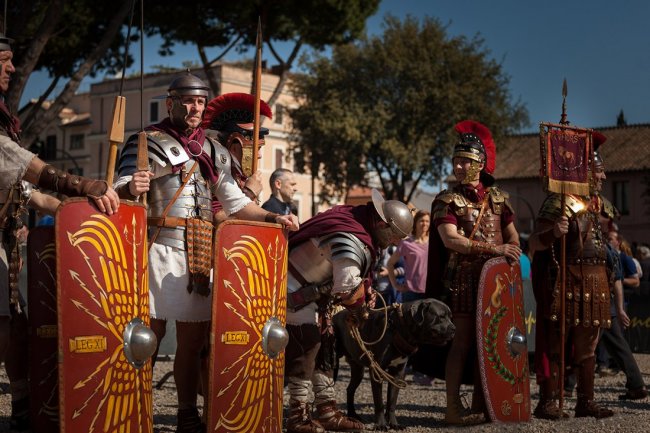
409 325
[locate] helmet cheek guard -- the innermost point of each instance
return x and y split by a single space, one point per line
178 113
185 85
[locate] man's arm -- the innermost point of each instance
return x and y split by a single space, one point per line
46 176
44 203
253 212
546 233
459 243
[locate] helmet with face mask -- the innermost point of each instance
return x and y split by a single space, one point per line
477 145
185 85
394 213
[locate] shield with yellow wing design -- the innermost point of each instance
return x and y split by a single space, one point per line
103 316
501 341
41 287
248 335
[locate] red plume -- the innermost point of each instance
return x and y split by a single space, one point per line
598 139
235 107
474 127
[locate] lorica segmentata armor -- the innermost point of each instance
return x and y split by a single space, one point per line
195 199
310 263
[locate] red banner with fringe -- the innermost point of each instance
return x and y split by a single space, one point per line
566 153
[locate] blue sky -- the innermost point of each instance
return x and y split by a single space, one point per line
601 47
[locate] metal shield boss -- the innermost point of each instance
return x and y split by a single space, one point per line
501 341
104 341
248 335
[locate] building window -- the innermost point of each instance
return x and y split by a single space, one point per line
76 141
153 111
279 111
48 152
279 158
621 194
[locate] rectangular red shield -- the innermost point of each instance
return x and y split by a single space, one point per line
248 310
43 373
102 287
566 153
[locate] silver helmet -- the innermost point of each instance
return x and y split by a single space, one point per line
188 84
5 43
396 214
185 85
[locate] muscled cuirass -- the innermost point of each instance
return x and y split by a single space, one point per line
463 271
467 214
489 228
585 238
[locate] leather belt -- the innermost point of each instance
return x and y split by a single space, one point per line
588 261
168 222
297 275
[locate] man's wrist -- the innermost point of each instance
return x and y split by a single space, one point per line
251 194
271 217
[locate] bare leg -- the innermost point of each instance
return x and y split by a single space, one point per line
159 327
463 341
190 337
16 364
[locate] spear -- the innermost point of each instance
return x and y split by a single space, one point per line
258 91
115 135
563 121
116 131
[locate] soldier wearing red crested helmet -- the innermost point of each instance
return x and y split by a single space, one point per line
187 170
474 222
229 117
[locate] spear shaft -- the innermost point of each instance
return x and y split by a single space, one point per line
258 91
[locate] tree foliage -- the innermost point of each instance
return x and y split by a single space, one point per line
233 25
387 106
69 39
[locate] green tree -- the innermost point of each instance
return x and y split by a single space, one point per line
387 105
69 39
233 25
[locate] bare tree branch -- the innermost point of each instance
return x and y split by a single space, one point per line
25 65
43 118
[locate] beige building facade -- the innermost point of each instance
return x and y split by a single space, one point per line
79 140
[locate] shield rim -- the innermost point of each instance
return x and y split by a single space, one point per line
60 342
212 414
482 361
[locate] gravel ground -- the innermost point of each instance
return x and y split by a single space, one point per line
421 408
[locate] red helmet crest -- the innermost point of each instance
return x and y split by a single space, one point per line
232 108
470 131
